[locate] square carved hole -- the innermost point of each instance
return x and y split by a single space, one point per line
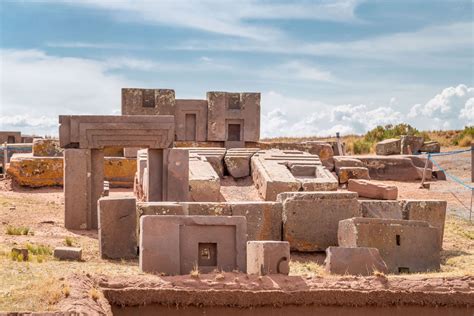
403 270
234 101
397 239
207 254
148 98
233 132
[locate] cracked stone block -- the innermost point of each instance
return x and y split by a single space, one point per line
391 146
373 190
117 228
268 257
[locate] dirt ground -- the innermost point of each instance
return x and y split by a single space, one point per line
42 283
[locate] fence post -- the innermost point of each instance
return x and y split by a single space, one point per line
5 159
472 161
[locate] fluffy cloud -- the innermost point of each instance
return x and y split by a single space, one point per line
36 88
452 108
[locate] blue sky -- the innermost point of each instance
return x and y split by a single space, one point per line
321 66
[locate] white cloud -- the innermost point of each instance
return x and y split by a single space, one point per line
35 88
451 108
223 16
93 45
299 70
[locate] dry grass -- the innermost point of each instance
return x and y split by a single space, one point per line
195 272
17 231
306 268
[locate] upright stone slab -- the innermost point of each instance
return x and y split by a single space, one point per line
431 211
148 101
310 219
411 144
263 219
191 120
178 244
178 175
80 188
117 228
356 261
47 148
347 173
237 161
204 182
405 246
344 161
268 257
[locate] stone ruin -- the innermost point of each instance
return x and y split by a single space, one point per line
178 154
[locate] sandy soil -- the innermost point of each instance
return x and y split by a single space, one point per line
39 284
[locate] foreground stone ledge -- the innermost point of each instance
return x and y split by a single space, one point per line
68 253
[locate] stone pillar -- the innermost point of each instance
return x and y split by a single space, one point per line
96 184
76 188
83 186
177 184
155 175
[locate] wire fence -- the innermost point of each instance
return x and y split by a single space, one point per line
464 183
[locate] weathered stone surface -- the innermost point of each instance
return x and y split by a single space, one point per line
310 219
130 152
264 219
148 101
230 114
439 175
99 131
272 173
344 161
68 253
213 155
268 257
411 144
430 147
322 149
120 171
35 172
372 190
381 209
117 228
204 183
395 168
405 246
191 120
431 211
30 171
114 151
357 261
176 244
346 173
237 161
177 183
207 209
391 146
47 148
10 137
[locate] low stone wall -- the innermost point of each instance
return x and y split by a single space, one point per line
30 171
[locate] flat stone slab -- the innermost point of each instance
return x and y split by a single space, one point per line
391 146
396 168
204 182
180 244
68 253
268 257
381 209
404 245
344 161
310 219
373 190
357 261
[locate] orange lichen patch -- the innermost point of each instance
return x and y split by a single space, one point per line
113 152
31 171
47 148
119 171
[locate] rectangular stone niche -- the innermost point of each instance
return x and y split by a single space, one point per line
178 244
